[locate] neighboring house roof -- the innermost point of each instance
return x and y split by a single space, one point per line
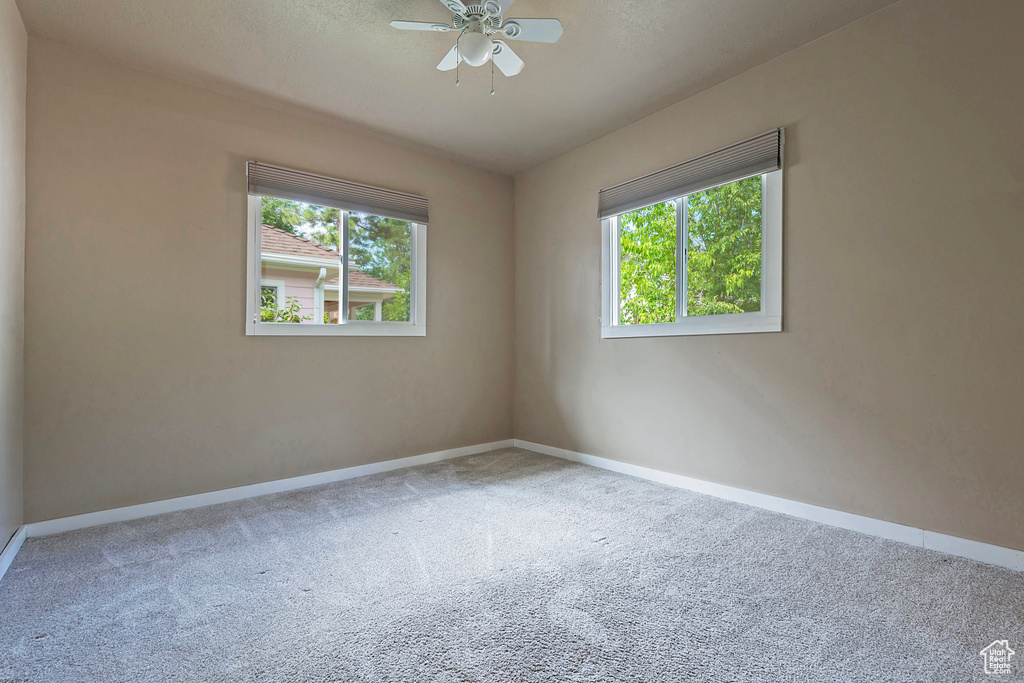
277 241
357 278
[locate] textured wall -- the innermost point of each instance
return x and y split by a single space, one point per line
140 382
896 388
13 50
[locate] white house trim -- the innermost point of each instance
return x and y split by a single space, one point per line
270 260
11 549
56 526
951 545
318 297
374 290
363 290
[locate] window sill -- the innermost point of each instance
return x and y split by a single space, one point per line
732 323
351 329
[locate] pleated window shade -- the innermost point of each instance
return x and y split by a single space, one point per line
760 154
300 186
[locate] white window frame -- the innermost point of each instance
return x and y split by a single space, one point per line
415 327
768 319
279 285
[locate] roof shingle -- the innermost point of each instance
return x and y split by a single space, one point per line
277 241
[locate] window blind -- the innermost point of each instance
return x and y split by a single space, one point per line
300 186
759 154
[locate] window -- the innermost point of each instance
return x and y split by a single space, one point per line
269 294
705 261
272 297
352 263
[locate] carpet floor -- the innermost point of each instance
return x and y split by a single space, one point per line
506 566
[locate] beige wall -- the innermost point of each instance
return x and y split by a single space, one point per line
896 389
893 392
140 382
13 49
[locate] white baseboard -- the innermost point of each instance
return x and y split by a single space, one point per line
951 545
11 549
56 526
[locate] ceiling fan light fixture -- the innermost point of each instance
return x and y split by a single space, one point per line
482 34
475 48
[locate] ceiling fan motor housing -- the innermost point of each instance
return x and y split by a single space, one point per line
487 14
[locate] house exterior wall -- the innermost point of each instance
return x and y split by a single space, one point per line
298 284
13 51
153 390
302 286
895 388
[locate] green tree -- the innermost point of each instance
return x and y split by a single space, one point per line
723 264
323 225
365 313
282 214
647 265
382 247
319 223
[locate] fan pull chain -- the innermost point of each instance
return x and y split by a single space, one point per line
492 74
458 61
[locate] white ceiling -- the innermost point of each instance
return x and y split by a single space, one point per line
618 61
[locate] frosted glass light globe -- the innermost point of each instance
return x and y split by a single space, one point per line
475 48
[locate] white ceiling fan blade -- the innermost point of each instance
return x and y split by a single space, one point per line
507 61
421 26
534 30
451 60
455 6
497 7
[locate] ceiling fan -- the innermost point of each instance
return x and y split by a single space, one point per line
481 30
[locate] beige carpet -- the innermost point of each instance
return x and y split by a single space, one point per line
507 566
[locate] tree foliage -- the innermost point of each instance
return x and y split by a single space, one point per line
382 247
270 312
323 225
647 265
282 214
723 265
318 223
723 262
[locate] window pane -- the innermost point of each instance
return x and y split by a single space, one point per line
723 264
647 265
300 263
380 257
